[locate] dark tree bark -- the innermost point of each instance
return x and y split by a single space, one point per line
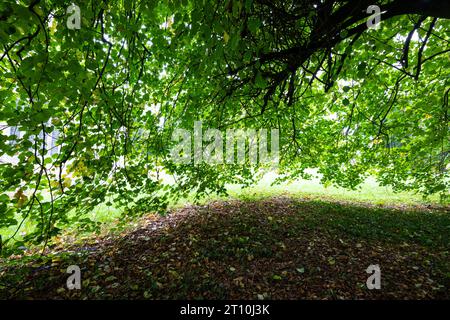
330 22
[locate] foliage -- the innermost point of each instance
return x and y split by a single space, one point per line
347 100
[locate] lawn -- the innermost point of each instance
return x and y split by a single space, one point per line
368 192
268 248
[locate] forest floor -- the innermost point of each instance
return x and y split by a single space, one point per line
275 248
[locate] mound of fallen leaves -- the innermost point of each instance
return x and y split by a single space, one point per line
272 249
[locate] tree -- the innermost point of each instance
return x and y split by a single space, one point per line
346 98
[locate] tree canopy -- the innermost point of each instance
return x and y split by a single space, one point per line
348 99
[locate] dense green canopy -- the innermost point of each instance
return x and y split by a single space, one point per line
347 99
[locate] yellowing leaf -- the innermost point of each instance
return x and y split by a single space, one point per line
226 37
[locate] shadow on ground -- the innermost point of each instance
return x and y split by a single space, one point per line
277 248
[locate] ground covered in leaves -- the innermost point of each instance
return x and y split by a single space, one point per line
278 248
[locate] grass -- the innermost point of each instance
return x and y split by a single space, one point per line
369 192
276 248
426 228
